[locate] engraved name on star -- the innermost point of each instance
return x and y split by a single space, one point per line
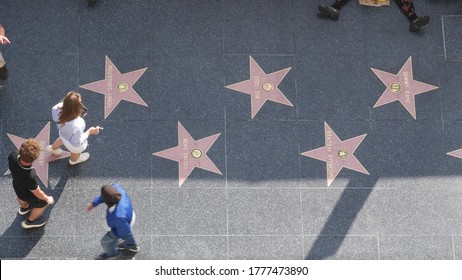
41 163
401 87
262 87
190 154
337 154
117 87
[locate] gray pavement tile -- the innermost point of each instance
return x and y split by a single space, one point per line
188 86
258 26
457 240
450 90
259 211
37 247
313 171
409 150
110 18
238 104
49 31
265 247
425 69
184 211
334 247
395 39
262 154
88 247
44 88
416 210
340 212
189 247
388 211
452 26
323 36
186 27
436 8
117 154
95 221
333 88
165 172
61 218
452 142
192 26
416 248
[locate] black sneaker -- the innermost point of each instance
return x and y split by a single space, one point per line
105 256
35 224
91 3
328 11
135 248
24 211
4 72
418 23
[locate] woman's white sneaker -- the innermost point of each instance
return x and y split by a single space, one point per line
83 157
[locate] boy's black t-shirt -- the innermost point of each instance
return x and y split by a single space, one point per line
24 178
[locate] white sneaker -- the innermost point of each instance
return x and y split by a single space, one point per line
56 152
83 157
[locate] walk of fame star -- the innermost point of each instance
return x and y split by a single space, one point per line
262 87
401 87
41 164
456 153
337 154
116 87
190 154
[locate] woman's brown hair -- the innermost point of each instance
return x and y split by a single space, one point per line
72 107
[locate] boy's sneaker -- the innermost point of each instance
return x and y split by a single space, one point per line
56 152
83 157
418 23
24 211
35 224
134 248
105 256
328 11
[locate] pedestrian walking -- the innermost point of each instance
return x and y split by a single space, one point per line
31 198
120 218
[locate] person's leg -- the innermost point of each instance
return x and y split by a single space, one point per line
23 207
55 147
3 69
57 144
36 213
109 242
34 220
333 11
129 243
407 6
23 203
75 157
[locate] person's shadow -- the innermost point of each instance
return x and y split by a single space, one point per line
16 242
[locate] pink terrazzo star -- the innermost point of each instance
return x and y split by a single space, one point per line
190 154
456 153
401 87
41 164
116 87
337 154
262 87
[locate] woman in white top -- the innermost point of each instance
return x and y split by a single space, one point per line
71 128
